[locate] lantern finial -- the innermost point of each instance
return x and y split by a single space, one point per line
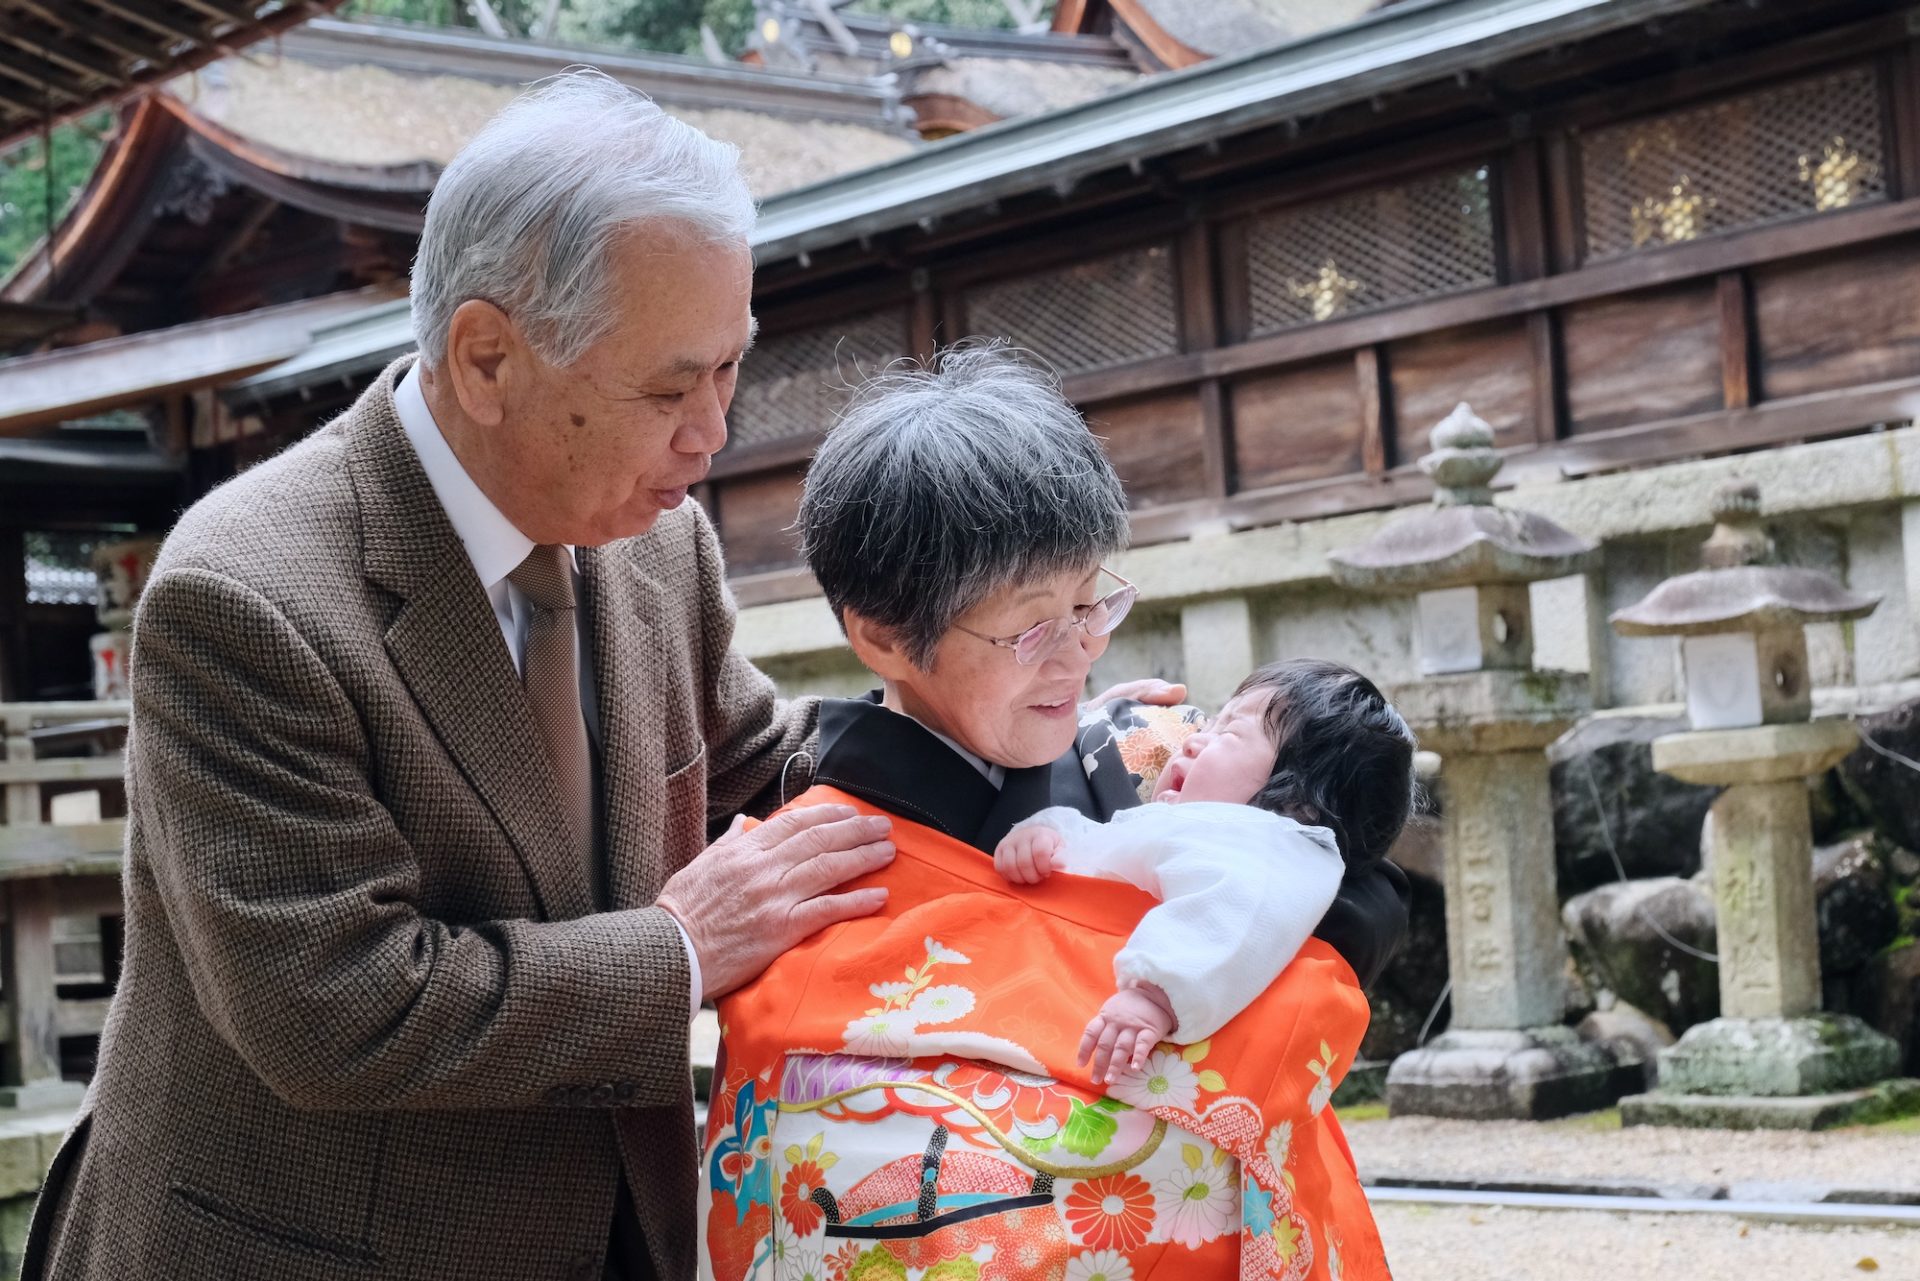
1738 537
1463 462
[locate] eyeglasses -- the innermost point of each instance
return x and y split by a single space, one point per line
1038 643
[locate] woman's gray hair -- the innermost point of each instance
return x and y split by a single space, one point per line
526 215
940 486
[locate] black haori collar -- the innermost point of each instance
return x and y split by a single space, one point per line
894 762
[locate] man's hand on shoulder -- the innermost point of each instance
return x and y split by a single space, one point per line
751 895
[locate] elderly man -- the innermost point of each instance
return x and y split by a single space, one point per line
433 715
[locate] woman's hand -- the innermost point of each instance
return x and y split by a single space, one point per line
1159 693
1124 1032
1025 855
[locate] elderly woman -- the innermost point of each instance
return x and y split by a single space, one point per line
899 1096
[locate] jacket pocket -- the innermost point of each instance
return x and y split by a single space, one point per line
277 1236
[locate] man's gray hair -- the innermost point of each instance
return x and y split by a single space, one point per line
526 215
940 486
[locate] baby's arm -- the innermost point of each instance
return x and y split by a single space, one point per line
1241 891
1032 850
1025 855
1124 1032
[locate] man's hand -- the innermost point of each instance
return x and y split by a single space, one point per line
1025 855
1159 693
750 896
1124 1032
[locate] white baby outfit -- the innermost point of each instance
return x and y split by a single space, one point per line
1240 891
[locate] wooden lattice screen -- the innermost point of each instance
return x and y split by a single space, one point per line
1370 249
796 383
1809 147
1106 311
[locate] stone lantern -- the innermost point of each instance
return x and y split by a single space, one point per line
1770 1059
1489 713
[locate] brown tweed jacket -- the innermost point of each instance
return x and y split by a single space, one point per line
369 1023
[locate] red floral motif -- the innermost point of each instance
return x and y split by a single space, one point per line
1111 1213
796 1197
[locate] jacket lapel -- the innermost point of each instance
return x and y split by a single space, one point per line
447 646
622 604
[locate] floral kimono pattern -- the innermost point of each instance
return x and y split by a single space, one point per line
897 1100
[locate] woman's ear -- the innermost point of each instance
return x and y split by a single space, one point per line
877 647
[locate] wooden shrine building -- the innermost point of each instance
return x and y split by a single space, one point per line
1628 231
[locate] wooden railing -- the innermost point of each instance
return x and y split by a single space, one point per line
50 870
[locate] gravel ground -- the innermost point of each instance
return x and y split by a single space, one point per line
1426 1243
1869 1158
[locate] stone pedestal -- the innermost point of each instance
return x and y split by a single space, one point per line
1506 1053
1771 1060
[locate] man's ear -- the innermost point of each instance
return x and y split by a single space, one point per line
877 647
483 348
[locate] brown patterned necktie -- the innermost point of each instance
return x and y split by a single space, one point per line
550 672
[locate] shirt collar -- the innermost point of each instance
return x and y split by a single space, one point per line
494 544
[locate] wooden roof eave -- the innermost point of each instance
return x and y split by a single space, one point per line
112 208
123 82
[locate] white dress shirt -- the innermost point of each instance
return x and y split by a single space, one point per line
496 547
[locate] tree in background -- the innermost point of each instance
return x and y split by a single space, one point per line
32 178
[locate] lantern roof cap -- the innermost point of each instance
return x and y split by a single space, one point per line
1462 540
1741 588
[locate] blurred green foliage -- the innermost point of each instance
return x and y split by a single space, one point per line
24 181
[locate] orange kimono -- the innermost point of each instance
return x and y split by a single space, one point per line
897 1100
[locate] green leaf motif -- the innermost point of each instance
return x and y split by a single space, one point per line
1088 1131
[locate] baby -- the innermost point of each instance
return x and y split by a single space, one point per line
1306 772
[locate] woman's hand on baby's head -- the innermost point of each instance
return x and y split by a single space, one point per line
1025 855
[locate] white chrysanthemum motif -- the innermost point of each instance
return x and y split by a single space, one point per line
1198 1202
890 991
1280 1145
1167 1081
942 953
1333 1261
1099 1265
802 1265
1319 1096
883 1035
786 1247
942 1003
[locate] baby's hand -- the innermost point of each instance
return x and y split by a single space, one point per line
1124 1032
1025 855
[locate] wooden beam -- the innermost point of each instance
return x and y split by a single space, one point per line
1370 369
47 849
1566 229
67 53
153 18
32 1053
64 769
1903 113
104 34
41 78
1549 399
1737 365
1521 184
923 325
1621 275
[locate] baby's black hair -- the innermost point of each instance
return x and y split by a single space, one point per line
1345 759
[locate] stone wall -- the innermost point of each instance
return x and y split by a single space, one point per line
1213 607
